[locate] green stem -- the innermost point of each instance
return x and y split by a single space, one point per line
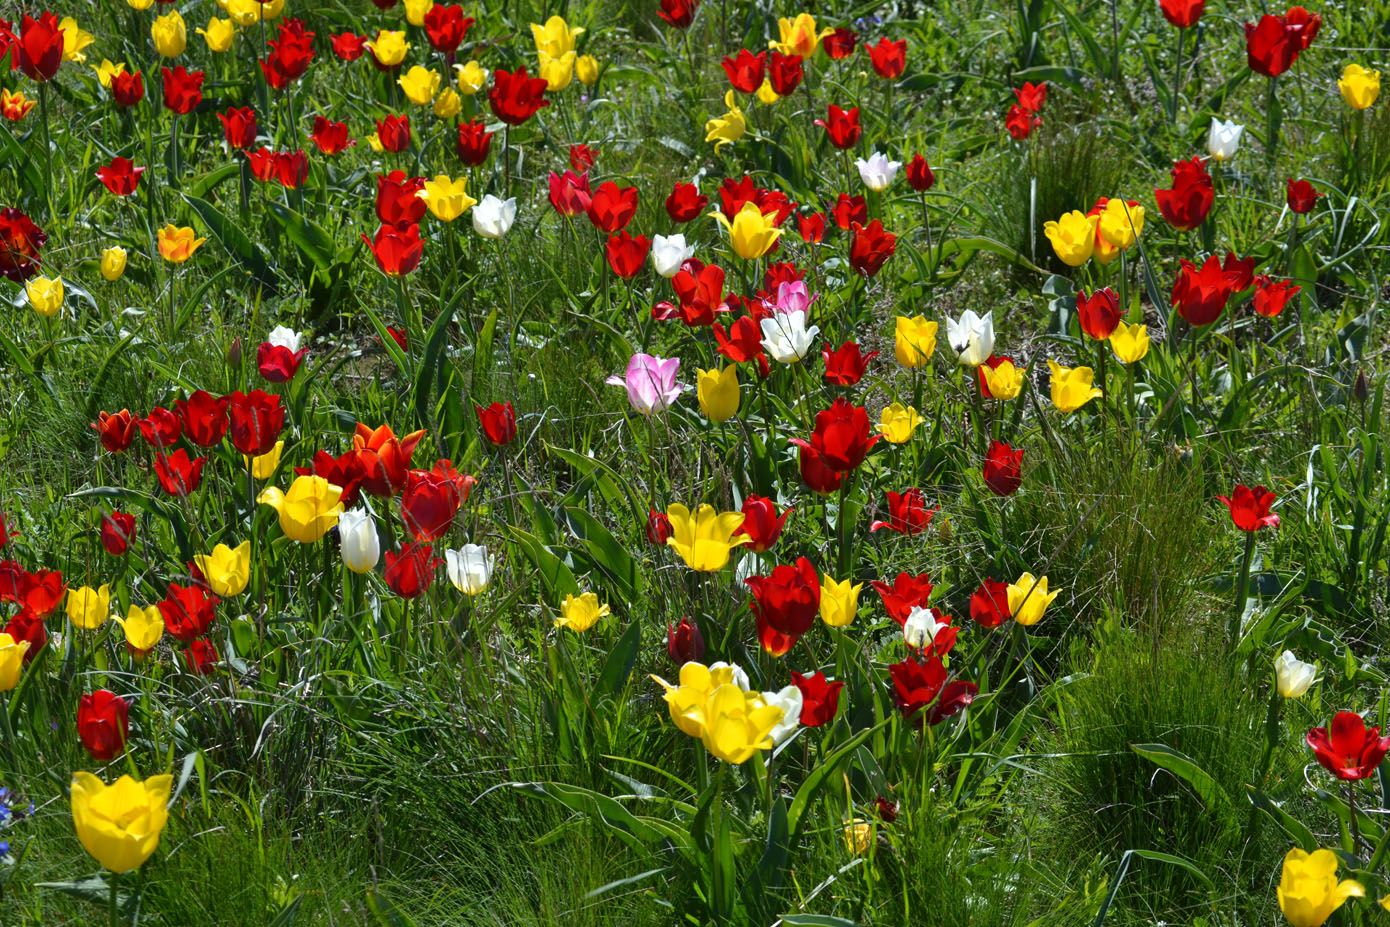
1238 606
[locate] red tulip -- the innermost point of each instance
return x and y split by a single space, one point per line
121 176
20 243
401 338
734 193
39 49
989 604
1020 122
658 528
239 126
919 174
701 293
204 417
849 211
1003 471
1031 97
291 168
842 436
276 363
811 227
1183 14
1346 748
397 251
183 89
1307 25
685 202
1271 297
201 657
384 459
1099 313
906 593
117 532
396 200
840 43
1186 205
888 58
474 143
870 247
684 643
330 137
127 88
344 472
679 13
498 422
161 427
612 207
743 341
907 513
116 431
773 641
745 70
887 810
1200 295
815 473
261 164
41 591
1272 47
1301 195
11 578
188 612
103 724
411 572
788 599
516 96
1239 272
626 253
569 193
762 523
446 27
429 503
820 699
348 46
177 475
1250 508
842 126
257 418
7 533
784 72
582 157
845 365
916 685
394 133
26 625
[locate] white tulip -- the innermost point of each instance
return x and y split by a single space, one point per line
1223 140
789 700
469 568
493 218
283 337
668 254
358 541
1292 675
921 627
877 172
972 338
786 337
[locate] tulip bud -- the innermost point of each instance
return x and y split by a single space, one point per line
586 69
684 643
469 568
887 810
1361 389
358 541
234 353
920 629
1292 676
113 263
658 528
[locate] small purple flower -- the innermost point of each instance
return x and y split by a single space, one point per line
650 382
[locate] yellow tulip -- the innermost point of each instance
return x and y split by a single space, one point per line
738 724
143 627
45 296
717 391
897 423
1073 237
119 824
1071 387
388 48
106 70
471 77
447 199
1308 888
798 36
1026 603
1359 86
75 38
420 84
580 613
586 69
89 608
859 837
177 245
113 262
271 9
1005 381
705 538
245 12
308 511
838 600
169 34
1130 342
726 129
415 11
751 234
374 140
558 72
1121 223
263 466
1105 252
766 95
140 5
227 569
11 661
914 340
555 38
448 104
686 700
218 34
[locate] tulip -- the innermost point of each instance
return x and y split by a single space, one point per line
625 253
410 572
119 824
15 106
1250 508
877 171
1073 237
669 253
498 422
1029 598
917 685
330 137
178 475
420 85
1130 342
188 612
1003 469
201 657
897 423
846 365
255 421
121 176
737 724
705 538
989 604
1301 196
1121 223
1186 205
685 202
471 77
556 72
45 296
1308 888
103 724
679 13
788 599
841 438
888 59
972 337
383 459
726 129
786 338
107 70
582 612
227 570
169 34
1223 139
219 34
493 217
923 628
392 134
798 36
279 356
177 245
430 501
791 703
820 698
12 654
914 340
447 199
89 608
841 127
517 96
586 68
1071 387
684 643
117 532
697 682
745 70
398 253
308 510
20 243
113 262
417 10
389 48
1346 748
1293 677
1200 295
469 568
717 391
556 37
448 104
650 382
1005 381
1182 14
143 628
357 540
1359 86
127 89
1272 46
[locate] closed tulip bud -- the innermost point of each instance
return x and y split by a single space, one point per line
914 340
420 84
586 69
469 568
582 612
227 569
1292 676
89 608
1360 388
838 601
717 391
684 643
448 104
169 34
1130 342
1223 139
358 541
493 217
234 353
45 296
113 261
1359 86
669 253
12 653
557 72
120 824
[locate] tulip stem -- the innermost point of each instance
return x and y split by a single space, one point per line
1177 75
47 151
1351 810
113 908
1238 606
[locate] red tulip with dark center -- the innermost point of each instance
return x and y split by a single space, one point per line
239 127
840 43
784 73
919 174
1347 748
1301 196
788 599
679 13
330 137
128 88
394 133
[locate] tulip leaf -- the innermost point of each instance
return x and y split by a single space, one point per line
822 773
234 240
606 551
1291 826
1155 856
95 890
621 659
557 578
312 239
623 883
204 184
636 831
1185 768
817 920
482 356
615 491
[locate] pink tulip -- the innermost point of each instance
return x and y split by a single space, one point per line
793 297
650 382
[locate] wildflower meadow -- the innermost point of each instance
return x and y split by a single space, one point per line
694 462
